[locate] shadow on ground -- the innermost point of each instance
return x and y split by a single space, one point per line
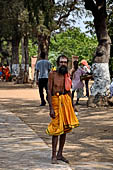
91 142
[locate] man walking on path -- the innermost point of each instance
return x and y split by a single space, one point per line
62 114
43 67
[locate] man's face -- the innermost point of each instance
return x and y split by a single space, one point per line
63 66
63 61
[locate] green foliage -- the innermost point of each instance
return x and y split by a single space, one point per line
72 42
34 7
53 57
32 47
9 12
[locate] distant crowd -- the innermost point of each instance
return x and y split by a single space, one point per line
5 73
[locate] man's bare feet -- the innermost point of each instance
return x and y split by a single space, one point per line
61 158
54 161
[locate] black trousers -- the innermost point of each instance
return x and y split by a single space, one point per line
43 83
87 88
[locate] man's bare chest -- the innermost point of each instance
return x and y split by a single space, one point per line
59 80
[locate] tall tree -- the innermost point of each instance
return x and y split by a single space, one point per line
110 31
10 28
100 67
47 16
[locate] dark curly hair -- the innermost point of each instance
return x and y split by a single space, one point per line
42 55
75 63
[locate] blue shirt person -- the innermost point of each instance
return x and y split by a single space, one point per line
43 67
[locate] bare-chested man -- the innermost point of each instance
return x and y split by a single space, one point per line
63 118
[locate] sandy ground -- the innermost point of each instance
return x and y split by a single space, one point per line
90 143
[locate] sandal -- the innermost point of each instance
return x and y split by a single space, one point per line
63 159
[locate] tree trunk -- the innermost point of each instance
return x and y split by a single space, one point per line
43 44
1 57
25 58
15 56
111 58
100 66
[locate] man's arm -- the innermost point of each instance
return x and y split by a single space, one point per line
49 67
37 73
70 94
74 106
71 73
50 87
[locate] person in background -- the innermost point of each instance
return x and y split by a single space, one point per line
111 88
86 68
1 72
62 114
53 68
7 73
43 67
77 84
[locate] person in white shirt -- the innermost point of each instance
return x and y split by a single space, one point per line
111 88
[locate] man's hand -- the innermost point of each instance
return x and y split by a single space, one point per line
52 113
37 82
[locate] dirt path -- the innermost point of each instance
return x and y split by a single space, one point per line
92 142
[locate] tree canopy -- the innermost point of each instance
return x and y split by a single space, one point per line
43 17
73 42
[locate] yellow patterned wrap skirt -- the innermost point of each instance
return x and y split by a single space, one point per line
65 118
